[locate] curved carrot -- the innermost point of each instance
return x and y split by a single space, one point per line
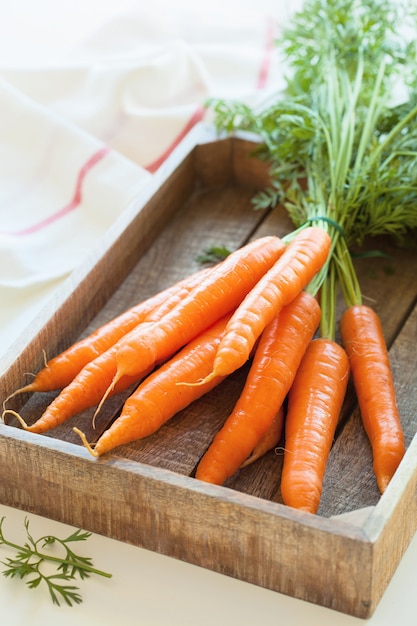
364 342
61 369
159 397
276 360
304 257
219 293
268 441
314 404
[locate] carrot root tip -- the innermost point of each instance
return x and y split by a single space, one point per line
87 445
25 389
109 390
16 415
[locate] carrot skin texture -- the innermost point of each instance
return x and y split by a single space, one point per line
269 440
217 295
304 257
161 395
62 369
364 342
276 360
314 404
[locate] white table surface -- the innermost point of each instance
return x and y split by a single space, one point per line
147 589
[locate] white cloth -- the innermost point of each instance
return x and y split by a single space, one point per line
93 97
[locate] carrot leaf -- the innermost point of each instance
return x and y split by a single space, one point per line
341 138
30 557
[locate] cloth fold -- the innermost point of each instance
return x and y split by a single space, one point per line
83 130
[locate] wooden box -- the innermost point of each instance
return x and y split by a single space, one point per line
145 493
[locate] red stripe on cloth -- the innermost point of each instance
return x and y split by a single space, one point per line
263 76
73 204
267 57
196 117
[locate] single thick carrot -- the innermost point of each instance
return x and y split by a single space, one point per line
219 293
314 404
364 342
276 360
305 256
159 397
62 369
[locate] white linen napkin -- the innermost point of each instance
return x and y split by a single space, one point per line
84 125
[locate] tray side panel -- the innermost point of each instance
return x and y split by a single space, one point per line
393 522
303 556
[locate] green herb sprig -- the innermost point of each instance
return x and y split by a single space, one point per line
30 559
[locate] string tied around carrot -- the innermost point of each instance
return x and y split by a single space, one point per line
325 218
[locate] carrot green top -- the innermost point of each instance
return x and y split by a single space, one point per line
342 151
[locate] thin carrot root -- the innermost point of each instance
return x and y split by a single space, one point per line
87 445
17 416
26 389
108 391
202 381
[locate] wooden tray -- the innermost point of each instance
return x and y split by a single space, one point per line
145 493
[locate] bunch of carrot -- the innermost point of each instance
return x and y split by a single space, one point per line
338 149
259 304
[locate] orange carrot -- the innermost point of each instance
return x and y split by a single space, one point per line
276 360
218 294
83 392
269 440
159 397
60 370
364 342
314 404
224 286
304 257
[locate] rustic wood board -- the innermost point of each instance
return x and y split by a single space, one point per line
144 493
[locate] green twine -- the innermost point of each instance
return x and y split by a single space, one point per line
329 220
